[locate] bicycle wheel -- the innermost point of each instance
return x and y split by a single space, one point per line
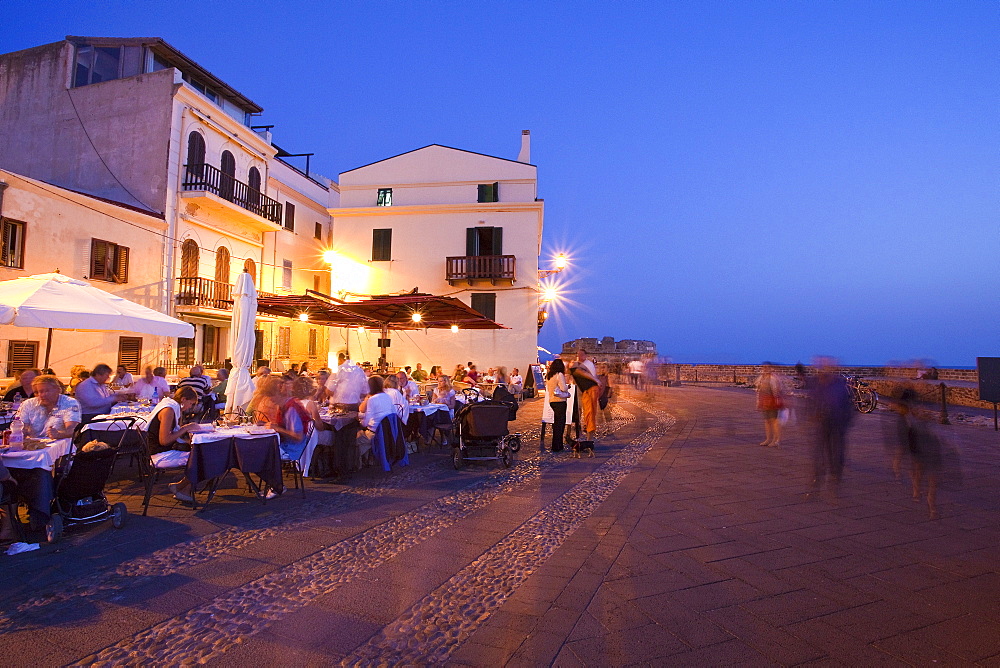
866 400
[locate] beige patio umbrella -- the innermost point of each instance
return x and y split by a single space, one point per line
55 301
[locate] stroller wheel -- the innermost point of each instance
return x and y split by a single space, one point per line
54 529
118 514
458 458
506 458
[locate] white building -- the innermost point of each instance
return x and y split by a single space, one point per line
45 229
449 222
137 122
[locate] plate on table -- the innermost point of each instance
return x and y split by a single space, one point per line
203 428
259 430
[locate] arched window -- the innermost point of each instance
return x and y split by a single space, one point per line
251 268
196 156
189 259
253 192
227 186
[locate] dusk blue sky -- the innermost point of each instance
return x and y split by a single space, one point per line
736 181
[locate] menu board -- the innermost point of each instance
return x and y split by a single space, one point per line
536 378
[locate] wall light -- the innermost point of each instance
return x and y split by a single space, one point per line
454 329
304 317
416 317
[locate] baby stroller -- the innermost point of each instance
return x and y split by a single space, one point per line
79 493
482 435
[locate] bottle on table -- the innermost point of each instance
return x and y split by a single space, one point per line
16 433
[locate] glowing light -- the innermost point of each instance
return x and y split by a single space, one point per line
304 317
361 330
561 261
454 329
330 256
416 317
549 293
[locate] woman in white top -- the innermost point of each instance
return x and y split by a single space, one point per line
376 406
555 385
391 387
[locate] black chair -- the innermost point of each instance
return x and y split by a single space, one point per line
294 466
8 500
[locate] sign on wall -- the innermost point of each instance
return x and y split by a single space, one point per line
989 378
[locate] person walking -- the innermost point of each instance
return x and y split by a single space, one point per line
770 401
585 376
831 411
557 392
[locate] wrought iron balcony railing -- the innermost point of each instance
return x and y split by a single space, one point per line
212 179
480 267
197 291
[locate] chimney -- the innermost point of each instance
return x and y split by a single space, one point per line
525 154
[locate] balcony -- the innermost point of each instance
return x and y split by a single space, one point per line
223 193
198 293
471 268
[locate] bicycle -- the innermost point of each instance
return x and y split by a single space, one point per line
864 397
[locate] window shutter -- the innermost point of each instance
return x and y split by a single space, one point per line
289 216
99 259
471 237
498 241
496 192
130 352
121 273
21 355
482 192
485 303
6 247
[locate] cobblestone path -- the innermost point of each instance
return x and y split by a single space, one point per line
210 630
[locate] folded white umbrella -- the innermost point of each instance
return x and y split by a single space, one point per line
55 301
240 389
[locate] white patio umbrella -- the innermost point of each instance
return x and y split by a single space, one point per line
240 389
55 301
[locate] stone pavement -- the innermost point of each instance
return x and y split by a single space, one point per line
681 542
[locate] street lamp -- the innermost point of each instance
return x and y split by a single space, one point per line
547 291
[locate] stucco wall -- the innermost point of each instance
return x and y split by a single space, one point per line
59 227
109 139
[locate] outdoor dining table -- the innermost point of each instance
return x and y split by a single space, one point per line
251 450
339 454
43 458
423 413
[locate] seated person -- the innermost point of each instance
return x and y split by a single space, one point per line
49 414
409 389
294 419
95 395
150 385
265 406
201 384
122 380
501 377
21 389
168 440
444 393
376 406
516 382
391 387
262 372
419 374
77 374
472 376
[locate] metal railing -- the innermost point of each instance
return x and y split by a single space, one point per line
472 267
214 180
196 291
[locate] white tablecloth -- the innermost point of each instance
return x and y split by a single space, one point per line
230 432
430 409
142 423
38 459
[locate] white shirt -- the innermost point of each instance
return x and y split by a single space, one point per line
144 390
411 390
635 366
400 402
378 406
348 385
516 381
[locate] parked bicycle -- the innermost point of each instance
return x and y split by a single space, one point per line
864 397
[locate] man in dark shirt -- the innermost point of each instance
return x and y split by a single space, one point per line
21 390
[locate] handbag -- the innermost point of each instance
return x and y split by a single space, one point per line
562 394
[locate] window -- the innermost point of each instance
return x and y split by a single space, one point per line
284 341
313 338
251 268
227 181
318 231
189 258
484 241
289 216
381 245
95 64
130 352
108 262
253 189
489 192
195 156
12 243
21 355
384 197
286 274
485 303
316 284
185 351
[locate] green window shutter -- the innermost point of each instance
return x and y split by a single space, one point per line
498 241
496 192
471 241
482 192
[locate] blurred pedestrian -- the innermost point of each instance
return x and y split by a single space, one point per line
557 391
915 440
770 401
585 376
831 410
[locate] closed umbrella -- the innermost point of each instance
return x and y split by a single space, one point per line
240 389
55 301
